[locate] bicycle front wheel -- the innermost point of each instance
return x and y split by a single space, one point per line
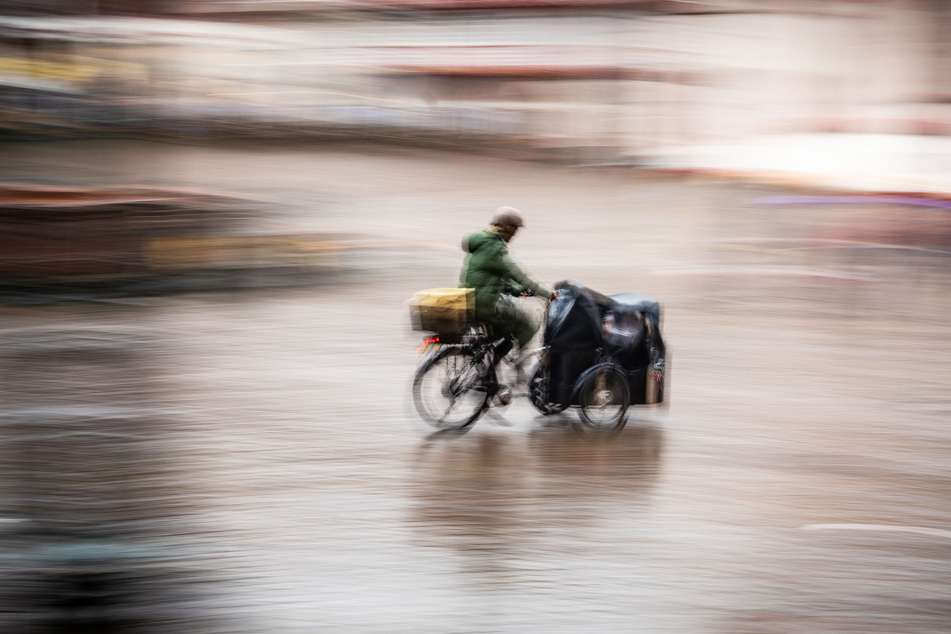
449 389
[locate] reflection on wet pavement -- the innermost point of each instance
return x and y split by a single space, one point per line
494 497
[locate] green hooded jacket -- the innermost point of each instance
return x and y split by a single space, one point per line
491 272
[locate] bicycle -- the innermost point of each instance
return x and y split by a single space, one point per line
459 382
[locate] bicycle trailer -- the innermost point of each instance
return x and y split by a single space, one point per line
601 353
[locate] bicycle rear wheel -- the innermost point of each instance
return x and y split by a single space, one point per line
450 389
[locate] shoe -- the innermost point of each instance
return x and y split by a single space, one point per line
502 396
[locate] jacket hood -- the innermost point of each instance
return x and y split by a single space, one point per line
474 242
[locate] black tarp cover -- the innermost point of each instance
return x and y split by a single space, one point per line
575 333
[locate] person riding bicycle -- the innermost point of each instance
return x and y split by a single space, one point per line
495 276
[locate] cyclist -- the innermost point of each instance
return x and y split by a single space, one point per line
495 276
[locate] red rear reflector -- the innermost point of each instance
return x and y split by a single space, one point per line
426 342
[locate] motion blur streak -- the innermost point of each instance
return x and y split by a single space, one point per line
212 213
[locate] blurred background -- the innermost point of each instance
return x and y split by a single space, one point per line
635 81
212 213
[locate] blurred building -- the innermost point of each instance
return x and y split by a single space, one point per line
87 7
592 78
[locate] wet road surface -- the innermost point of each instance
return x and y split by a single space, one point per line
797 482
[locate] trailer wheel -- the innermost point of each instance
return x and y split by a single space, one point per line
603 396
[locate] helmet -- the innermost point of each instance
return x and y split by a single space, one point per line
507 217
